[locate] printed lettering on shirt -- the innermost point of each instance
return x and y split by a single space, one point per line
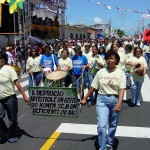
47 62
77 63
110 81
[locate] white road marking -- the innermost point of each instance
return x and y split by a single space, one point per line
146 89
20 96
23 84
90 129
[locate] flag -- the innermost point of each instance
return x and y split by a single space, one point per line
20 3
14 5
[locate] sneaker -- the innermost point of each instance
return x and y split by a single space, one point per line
109 148
3 140
138 104
132 104
13 140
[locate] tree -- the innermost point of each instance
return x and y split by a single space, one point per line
120 32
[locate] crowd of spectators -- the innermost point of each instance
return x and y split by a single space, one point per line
46 22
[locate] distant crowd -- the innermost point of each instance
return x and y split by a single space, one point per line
45 22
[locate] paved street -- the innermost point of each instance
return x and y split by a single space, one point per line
60 133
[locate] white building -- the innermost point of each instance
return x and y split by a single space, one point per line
75 32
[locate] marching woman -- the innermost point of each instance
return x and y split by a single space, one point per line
48 61
8 100
139 68
34 68
96 62
65 64
122 56
80 64
110 83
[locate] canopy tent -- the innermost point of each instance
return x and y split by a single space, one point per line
54 5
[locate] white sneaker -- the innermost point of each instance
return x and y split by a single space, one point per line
108 147
138 104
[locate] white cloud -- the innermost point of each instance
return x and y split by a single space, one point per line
98 20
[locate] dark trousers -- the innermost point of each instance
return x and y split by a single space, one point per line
9 105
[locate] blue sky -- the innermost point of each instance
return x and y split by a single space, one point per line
90 12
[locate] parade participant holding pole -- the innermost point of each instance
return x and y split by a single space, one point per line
34 68
110 83
8 100
80 63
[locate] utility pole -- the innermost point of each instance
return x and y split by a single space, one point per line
110 26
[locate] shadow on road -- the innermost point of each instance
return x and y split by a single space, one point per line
21 132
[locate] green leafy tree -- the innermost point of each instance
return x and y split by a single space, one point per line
120 32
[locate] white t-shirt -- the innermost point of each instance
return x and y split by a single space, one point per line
129 57
65 63
7 77
97 58
10 58
122 61
109 82
134 61
34 64
70 50
88 55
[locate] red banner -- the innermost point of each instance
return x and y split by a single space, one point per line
146 35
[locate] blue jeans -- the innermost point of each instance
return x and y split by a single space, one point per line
107 119
37 78
147 57
10 105
136 91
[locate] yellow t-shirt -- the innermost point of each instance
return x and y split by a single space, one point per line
109 82
7 77
34 64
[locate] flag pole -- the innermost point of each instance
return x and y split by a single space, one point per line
0 14
14 18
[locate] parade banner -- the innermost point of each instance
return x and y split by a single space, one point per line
54 101
0 15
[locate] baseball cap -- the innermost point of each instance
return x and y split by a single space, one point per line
77 47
